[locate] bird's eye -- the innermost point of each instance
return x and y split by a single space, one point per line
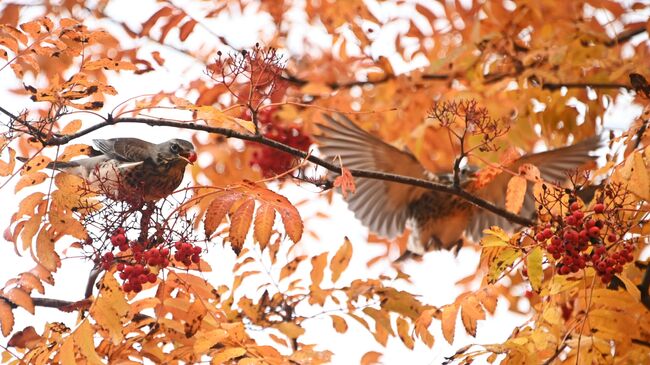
174 148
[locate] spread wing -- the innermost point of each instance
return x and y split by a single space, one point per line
125 149
553 166
380 205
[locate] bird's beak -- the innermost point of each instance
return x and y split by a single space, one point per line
190 157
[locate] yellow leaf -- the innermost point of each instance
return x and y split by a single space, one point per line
6 318
240 223
339 323
30 180
83 338
498 232
108 64
227 354
515 194
110 309
448 321
534 267
341 259
501 262
292 222
630 287
318 266
264 218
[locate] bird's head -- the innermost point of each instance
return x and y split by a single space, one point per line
177 149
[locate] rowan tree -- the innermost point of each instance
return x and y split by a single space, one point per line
453 83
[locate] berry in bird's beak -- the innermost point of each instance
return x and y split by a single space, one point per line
190 157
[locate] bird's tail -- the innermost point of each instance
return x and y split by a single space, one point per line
54 165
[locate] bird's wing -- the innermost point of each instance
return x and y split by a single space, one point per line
553 166
380 205
125 149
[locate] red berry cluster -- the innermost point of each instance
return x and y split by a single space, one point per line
270 160
581 239
134 275
187 253
145 259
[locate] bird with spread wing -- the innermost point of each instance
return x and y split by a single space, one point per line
438 219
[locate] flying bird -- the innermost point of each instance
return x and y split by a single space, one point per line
132 169
437 219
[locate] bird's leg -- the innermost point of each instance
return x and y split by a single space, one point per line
145 220
457 246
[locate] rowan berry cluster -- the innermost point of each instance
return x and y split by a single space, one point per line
139 262
583 238
270 160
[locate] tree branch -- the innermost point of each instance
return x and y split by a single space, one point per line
60 140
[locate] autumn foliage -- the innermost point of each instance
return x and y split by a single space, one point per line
467 87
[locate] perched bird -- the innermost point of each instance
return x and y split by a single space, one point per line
132 169
437 219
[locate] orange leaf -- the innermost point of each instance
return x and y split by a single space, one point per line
30 180
64 223
186 29
292 222
448 321
83 338
6 168
403 331
35 164
346 182
6 318
290 267
45 251
264 218
515 194
471 312
240 223
339 324
26 338
20 298
318 266
72 127
341 259
370 357
146 27
218 209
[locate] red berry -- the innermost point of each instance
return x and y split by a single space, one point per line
137 287
164 251
124 247
599 208
152 278
120 266
578 215
196 250
594 231
127 287
547 233
540 237
612 237
590 223
575 206
196 258
556 241
570 220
